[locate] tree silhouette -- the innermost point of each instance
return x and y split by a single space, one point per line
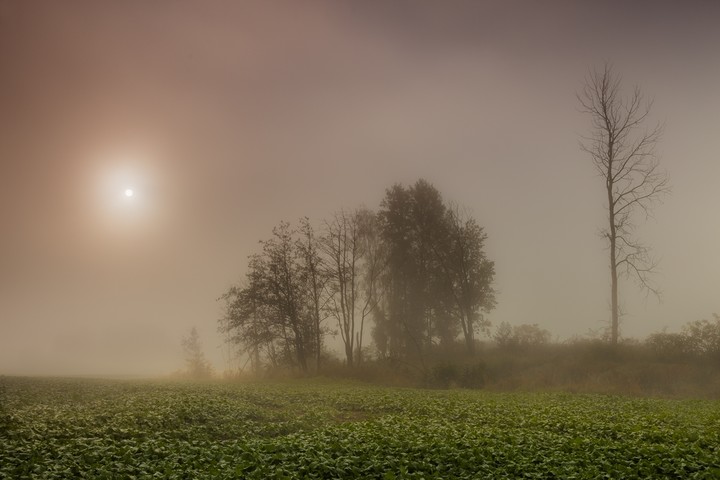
623 153
197 366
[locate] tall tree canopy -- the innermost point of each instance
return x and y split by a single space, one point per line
437 280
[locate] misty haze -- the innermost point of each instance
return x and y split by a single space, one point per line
359 239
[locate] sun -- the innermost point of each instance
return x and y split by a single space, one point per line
129 192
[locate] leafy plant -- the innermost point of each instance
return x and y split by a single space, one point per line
110 429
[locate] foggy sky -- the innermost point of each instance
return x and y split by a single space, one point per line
228 117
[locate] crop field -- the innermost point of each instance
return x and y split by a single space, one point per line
102 429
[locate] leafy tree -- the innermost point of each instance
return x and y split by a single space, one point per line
417 268
285 291
623 154
274 310
411 221
437 279
503 335
468 274
249 318
531 335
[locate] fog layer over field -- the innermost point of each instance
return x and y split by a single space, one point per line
226 118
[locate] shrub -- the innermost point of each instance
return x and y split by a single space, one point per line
520 336
703 336
473 375
443 375
669 345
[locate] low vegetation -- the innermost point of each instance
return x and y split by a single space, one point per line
79 428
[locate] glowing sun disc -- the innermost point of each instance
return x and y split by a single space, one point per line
129 192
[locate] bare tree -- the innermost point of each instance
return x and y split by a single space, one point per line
342 249
353 263
371 249
623 153
315 279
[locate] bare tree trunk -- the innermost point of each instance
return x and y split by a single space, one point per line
469 333
318 342
341 246
615 308
624 156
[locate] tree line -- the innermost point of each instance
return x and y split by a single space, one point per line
414 273
410 277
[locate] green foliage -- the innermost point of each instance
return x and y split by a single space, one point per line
111 429
438 280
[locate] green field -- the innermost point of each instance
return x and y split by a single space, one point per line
79 428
